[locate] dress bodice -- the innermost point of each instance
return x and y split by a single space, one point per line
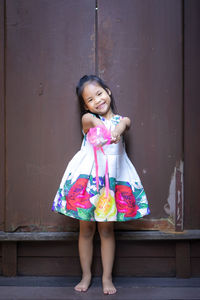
112 149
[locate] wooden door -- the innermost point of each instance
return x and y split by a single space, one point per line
140 55
136 47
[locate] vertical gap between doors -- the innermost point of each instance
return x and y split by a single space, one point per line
5 116
96 37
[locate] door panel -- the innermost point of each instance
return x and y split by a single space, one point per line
50 44
140 57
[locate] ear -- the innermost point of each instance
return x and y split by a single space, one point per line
109 92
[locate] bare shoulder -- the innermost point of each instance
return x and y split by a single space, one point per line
127 122
87 118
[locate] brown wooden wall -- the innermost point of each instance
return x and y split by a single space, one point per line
148 53
167 258
191 113
138 49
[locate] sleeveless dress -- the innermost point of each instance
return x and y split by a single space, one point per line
77 195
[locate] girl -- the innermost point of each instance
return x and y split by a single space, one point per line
78 195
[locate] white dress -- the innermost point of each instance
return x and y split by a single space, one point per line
77 195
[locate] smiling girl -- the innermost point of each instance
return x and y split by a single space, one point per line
78 195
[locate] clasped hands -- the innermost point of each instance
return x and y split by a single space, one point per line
115 137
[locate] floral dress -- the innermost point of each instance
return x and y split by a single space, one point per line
77 195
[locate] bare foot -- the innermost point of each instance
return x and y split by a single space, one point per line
83 285
108 286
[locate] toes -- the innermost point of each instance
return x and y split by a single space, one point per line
80 289
82 286
109 291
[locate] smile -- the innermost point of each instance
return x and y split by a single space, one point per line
101 105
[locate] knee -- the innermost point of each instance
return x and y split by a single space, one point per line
105 232
87 232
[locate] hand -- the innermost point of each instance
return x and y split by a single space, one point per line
115 137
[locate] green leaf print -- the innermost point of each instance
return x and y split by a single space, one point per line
120 217
138 193
112 181
63 210
84 176
138 215
91 179
67 185
85 214
143 205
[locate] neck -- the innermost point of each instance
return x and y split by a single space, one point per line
108 115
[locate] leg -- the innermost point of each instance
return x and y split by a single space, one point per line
106 232
86 234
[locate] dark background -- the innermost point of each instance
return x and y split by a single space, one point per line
148 53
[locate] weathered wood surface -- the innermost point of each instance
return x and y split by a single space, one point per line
2 115
145 75
127 288
49 46
120 235
183 265
191 114
153 257
9 259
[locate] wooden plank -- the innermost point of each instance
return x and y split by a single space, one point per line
120 235
195 266
191 113
2 117
195 249
136 61
48 266
125 282
146 224
145 266
95 293
9 258
70 266
140 249
179 202
123 249
38 236
183 267
0 266
48 249
145 249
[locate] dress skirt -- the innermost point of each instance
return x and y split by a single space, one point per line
78 196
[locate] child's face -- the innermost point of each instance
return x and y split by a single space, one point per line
96 99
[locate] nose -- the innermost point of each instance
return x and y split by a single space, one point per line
97 100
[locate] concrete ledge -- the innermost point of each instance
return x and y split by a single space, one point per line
120 235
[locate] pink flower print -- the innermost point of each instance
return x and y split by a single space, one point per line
125 201
78 196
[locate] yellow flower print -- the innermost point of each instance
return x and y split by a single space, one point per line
105 206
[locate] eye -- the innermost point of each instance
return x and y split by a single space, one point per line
89 100
99 93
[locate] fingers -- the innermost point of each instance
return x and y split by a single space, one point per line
115 139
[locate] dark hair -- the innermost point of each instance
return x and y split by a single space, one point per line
81 84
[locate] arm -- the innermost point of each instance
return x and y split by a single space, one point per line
123 125
89 120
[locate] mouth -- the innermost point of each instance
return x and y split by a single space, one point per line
100 106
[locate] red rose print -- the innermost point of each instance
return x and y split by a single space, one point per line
125 201
78 196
